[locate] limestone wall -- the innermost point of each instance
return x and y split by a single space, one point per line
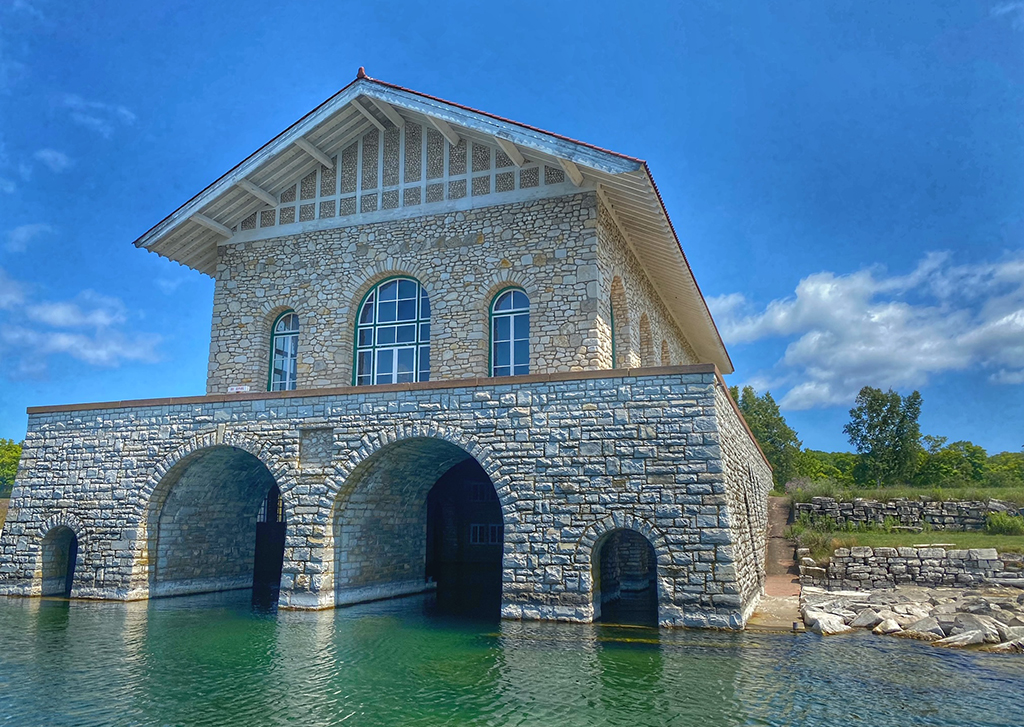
749 480
950 515
572 457
546 246
863 568
646 324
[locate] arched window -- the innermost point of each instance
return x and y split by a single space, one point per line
284 352
393 334
510 334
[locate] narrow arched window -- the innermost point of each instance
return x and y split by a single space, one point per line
393 334
284 352
510 334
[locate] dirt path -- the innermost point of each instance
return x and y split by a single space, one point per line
779 607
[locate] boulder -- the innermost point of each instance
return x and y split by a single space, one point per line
888 626
967 638
927 625
918 635
826 624
1009 647
975 622
867 619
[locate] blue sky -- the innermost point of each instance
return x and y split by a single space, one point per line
847 178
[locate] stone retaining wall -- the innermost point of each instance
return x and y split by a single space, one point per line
863 568
950 515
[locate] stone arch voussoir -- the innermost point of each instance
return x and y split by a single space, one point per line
63 519
620 520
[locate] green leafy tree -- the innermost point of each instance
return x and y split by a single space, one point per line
777 439
884 429
1005 469
10 453
959 463
816 465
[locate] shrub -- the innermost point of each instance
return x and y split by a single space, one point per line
1001 523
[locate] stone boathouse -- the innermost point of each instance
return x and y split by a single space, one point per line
446 349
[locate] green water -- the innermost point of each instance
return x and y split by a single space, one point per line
216 661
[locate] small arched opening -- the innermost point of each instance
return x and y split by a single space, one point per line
216 523
622 353
60 553
625 579
666 360
420 514
646 343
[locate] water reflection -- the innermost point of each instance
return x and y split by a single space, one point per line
214 660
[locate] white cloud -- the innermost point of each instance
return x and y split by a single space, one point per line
90 328
55 160
19 238
96 116
869 328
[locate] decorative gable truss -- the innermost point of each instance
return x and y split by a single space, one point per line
407 168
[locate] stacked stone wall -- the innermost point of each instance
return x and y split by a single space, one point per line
948 515
863 568
750 480
615 259
548 247
572 457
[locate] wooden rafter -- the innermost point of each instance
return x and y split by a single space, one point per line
572 171
388 110
212 224
314 152
366 112
511 150
257 191
446 130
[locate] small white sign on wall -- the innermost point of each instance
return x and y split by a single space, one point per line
238 389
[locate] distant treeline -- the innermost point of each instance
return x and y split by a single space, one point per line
10 453
890 449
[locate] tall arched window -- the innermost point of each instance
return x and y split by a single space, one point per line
393 334
510 334
284 352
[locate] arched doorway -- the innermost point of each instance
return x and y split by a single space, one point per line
60 552
625 579
420 514
215 524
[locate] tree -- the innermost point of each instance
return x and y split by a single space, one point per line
959 463
884 429
777 439
10 453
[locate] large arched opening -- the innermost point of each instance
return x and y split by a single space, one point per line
420 514
59 555
216 523
625 579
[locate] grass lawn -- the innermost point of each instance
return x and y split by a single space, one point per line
822 544
887 494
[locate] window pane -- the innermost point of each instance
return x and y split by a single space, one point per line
406 371
522 352
519 300
365 336
386 312
385 362
407 289
406 334
424 306
366 315
502 328
365 365
522 325
385 335
424 332
502 371
407 310
424 363
502 353
504 302
388 291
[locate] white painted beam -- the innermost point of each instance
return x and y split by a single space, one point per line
366 112
212 224
572 171
314 152
446 130
388 110
511 150
257 192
